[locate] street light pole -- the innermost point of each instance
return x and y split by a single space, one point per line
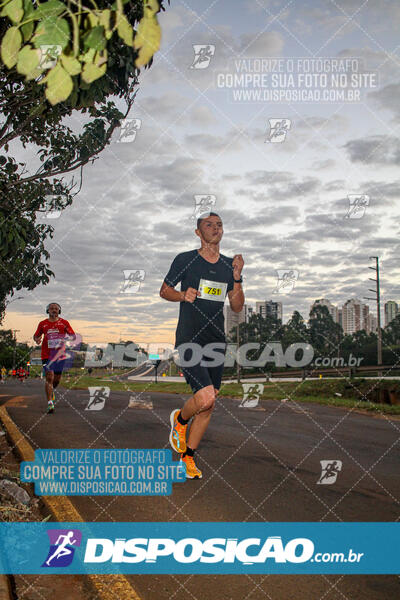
15 345
13 300
378 304
378 310
156 364
237 350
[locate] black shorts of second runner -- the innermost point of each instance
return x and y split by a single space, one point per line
200 375
56 366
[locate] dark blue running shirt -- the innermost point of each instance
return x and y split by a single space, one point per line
202 321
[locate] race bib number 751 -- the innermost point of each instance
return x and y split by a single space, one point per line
212 290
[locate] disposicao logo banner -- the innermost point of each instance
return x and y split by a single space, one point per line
200 548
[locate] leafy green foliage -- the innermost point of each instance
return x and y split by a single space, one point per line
295 331
392 331
71 29
9 349
34 115
325 336
148 35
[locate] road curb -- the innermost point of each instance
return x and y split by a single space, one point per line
107 587
5 588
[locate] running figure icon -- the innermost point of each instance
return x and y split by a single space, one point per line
62 550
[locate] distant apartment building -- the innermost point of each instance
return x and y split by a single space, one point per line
391 311
372 323
233 318
333 310
269 308
355 316
249 313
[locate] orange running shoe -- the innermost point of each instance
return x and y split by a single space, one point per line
177 436
192 472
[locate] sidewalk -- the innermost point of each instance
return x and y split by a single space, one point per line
59 509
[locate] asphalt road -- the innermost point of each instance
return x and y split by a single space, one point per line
258 464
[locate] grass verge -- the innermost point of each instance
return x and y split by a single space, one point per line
355 393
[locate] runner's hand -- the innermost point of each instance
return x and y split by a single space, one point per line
190 295
237 265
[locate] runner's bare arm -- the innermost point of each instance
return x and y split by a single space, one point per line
236 296
37 335
169 293
70 332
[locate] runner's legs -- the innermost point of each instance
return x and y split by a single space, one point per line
56 380
204 399
205 383
49 385
53 374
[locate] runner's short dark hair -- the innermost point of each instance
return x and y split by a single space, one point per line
205 215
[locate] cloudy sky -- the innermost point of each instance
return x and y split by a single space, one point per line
284 204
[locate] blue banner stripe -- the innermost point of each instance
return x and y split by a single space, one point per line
200 548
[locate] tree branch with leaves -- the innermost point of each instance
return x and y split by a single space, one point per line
97 51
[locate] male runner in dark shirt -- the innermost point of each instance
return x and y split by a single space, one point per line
206 278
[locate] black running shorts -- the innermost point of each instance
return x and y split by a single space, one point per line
199 376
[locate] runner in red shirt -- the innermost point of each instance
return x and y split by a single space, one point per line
21 374
55 332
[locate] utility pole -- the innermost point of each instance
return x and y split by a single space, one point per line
378 304
15 345
237 349
156 364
